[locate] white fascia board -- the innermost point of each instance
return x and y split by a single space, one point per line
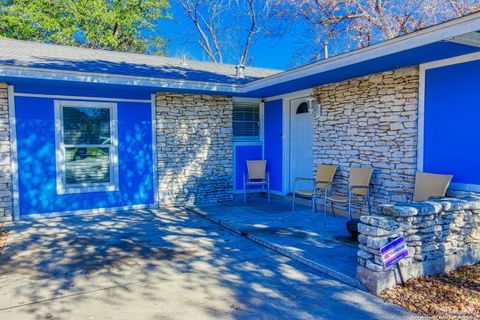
423 37
102 78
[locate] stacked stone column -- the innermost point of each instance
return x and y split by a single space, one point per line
194 148
441 235
6 199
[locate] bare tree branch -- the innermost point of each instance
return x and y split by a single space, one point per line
227 27
251 32
360 23
192 10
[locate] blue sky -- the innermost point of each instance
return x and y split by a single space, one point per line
275 53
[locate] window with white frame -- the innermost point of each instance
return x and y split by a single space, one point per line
246 121
87 153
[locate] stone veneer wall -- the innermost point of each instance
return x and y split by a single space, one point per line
194 148
441 235
6 199
370 122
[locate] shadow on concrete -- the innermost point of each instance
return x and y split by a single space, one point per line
162 264
301 233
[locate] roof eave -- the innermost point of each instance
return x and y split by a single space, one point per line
440 32
104 78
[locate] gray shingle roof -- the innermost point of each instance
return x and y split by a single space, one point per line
48 56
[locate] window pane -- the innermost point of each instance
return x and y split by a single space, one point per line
87 165
302 108
246 120
86 125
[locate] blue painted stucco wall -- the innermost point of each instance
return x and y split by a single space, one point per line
452 121
242 154
273 131
37 167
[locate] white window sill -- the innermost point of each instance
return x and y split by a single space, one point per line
89 189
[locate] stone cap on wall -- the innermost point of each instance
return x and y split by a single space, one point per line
432 206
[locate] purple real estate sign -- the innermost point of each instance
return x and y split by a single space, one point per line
393 252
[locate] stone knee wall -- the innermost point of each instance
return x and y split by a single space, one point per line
370 122
6 200
194 148
441 235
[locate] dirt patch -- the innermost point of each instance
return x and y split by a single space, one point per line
452 295
3 237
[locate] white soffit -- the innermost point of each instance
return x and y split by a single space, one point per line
469 39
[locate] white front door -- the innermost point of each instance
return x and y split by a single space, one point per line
301 153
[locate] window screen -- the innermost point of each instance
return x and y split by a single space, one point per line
246 121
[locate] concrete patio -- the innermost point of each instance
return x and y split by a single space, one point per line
301 235
163 264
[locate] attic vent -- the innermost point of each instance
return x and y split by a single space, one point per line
240 71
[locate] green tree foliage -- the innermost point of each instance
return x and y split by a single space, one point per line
120 25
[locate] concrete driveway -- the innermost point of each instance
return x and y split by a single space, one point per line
163 264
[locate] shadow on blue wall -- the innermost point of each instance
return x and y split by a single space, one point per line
242 154
37 167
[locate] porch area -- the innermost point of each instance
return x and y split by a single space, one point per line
300 235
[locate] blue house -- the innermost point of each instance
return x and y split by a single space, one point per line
92 131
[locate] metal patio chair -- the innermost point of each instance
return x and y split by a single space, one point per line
358 191
257 175
426 185
323 180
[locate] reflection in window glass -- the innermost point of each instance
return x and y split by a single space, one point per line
302 108
87 165
86 125
87 149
